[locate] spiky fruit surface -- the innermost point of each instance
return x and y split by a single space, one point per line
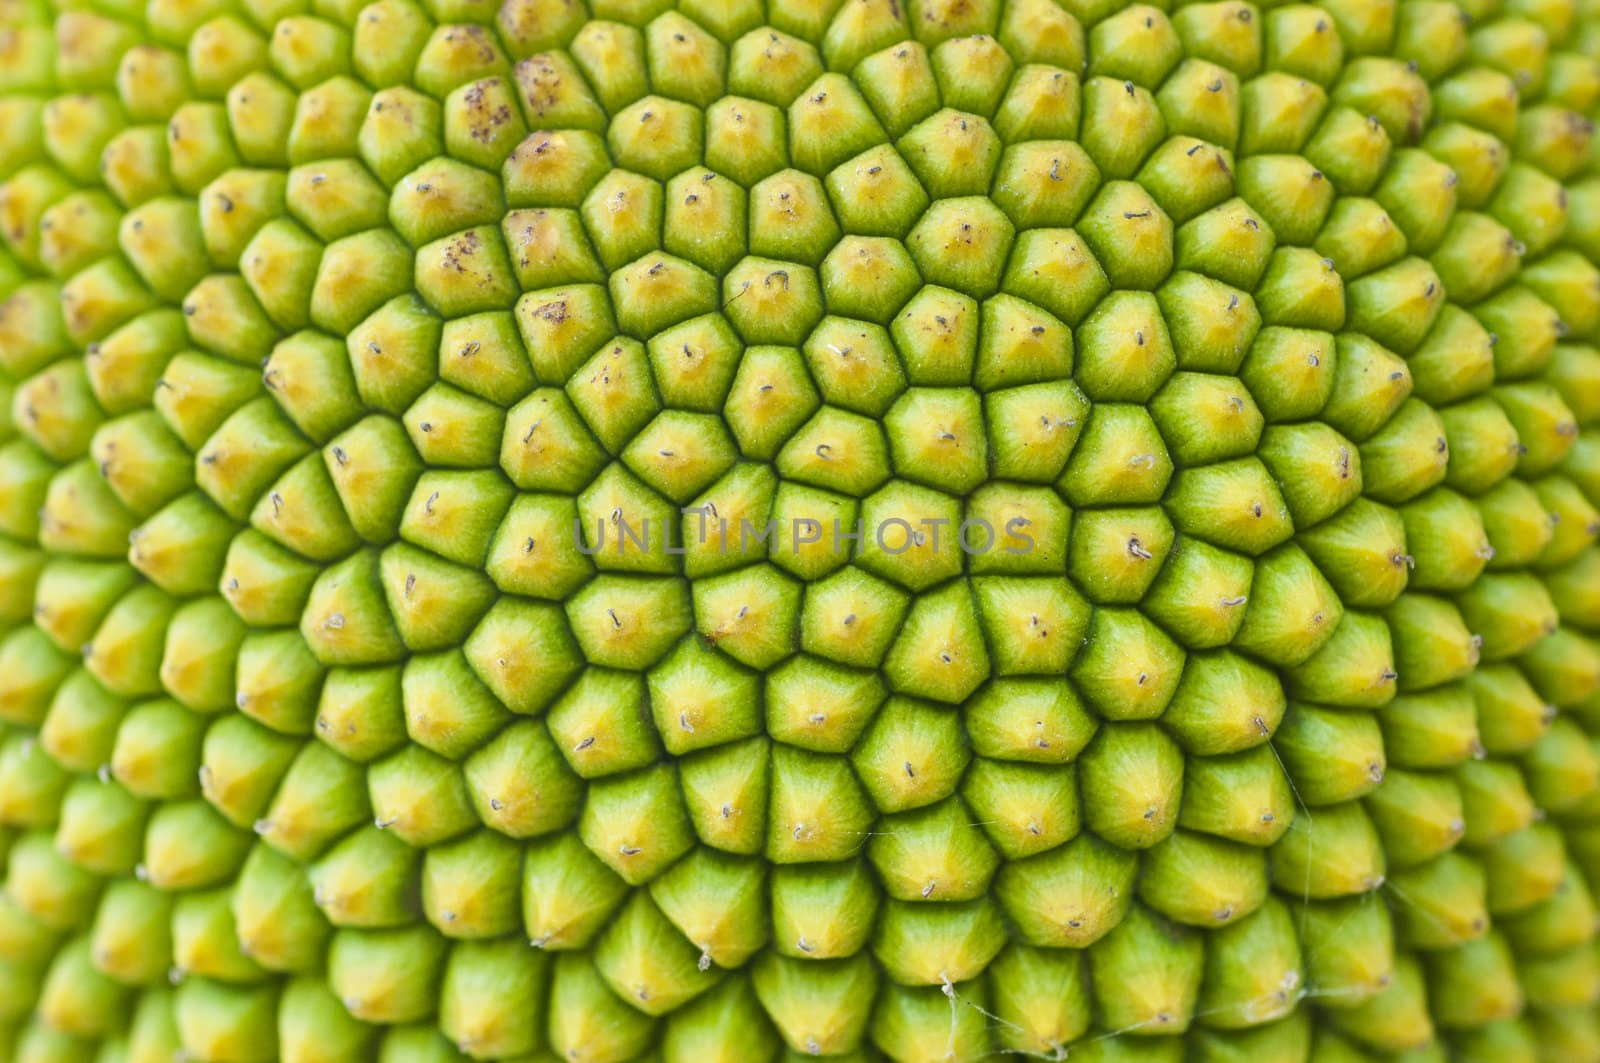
608 530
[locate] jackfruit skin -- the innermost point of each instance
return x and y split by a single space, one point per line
341 346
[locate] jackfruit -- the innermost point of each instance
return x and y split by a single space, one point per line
734 530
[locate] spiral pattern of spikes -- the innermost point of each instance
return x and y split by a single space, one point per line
917 529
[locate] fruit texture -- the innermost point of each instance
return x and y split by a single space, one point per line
603 530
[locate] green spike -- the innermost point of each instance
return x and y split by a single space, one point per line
1356 668
359 712
1417 815
1330 755
418 1043
1132 778
587 1016
1358 234
131 939
1254 973
205 942
725 791
568 895
79 731
817 810
1434 729
1062 898
276 681
947 1019
1246 797
387 976
346 620
470 886
1224 703
637 823
420 796
1201 880
275 914
447 710
1041 998
203 638
1494 799
1283 1039
1203 416
1397 1018
1523 868
646 961
719 1025
1334 852
158 750
313 1025
183 548
1292 612
100 827
715 901
188 845
1566 979
1475 984
218 1021
368 879
1442 903
932 854
320 797
922 944
1147 974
